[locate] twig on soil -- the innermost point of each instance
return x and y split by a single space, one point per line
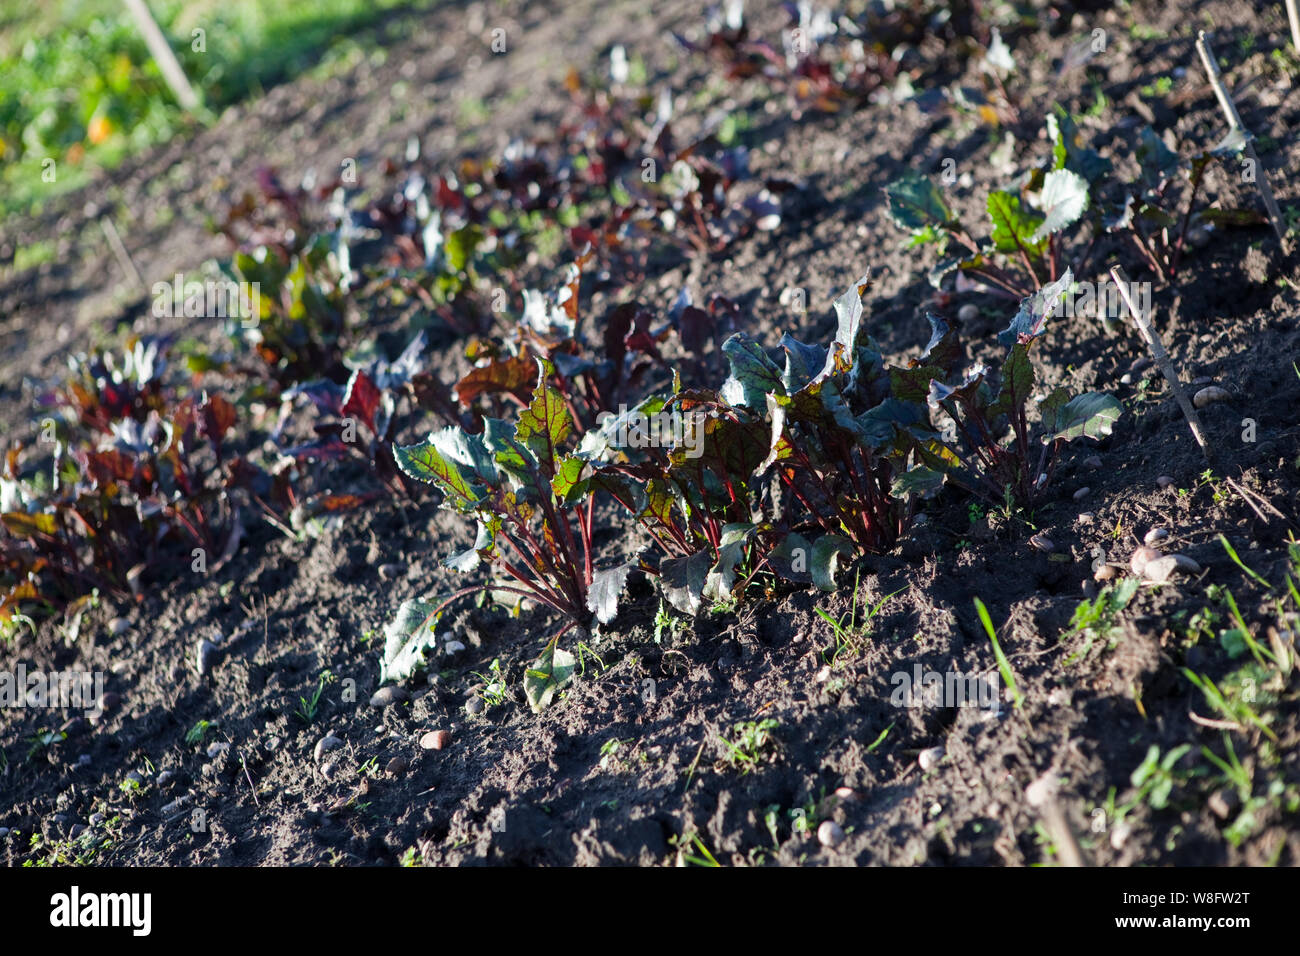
1215 724
1250 497
1163 362
247 776
1041 795
1293 15
1234 122
119 252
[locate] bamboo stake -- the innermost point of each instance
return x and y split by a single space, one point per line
163 55
1163 362
119 251
1293 15
1234 121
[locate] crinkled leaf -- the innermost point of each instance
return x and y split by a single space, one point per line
753 374
460 464
731 551
406 640
915 202
1033 312
791 558
514 374
1090 415
545 423
682 581
603 594
548 676
803 363
919 480
1156 160
826 551
1063 200
568 485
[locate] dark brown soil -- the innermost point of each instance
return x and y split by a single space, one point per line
628 767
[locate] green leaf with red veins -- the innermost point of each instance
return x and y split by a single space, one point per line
1017 383
545 423
1013 227
568 485
459 464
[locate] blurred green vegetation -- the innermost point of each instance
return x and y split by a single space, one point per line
78 86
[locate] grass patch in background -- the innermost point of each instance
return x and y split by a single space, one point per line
77 84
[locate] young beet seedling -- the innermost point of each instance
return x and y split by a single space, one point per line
974 456
529 496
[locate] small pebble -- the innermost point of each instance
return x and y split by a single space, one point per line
473 706
387 696
397 766
830 833
205 656
1209 395
165 778
217 748
77 830
135 777
930 757
327 770
1222 803
1141 558
1160 570
118 626
823 675
846 795
390 572
452 647
1119 835
1082 493
1155 536
1041 542
435 740
968 312
325 745
1092 461
1106 572
1165 481
4 832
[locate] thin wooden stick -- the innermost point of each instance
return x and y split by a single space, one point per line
1042 796
119 251
163 55
1234 121
1163 362
1294 16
